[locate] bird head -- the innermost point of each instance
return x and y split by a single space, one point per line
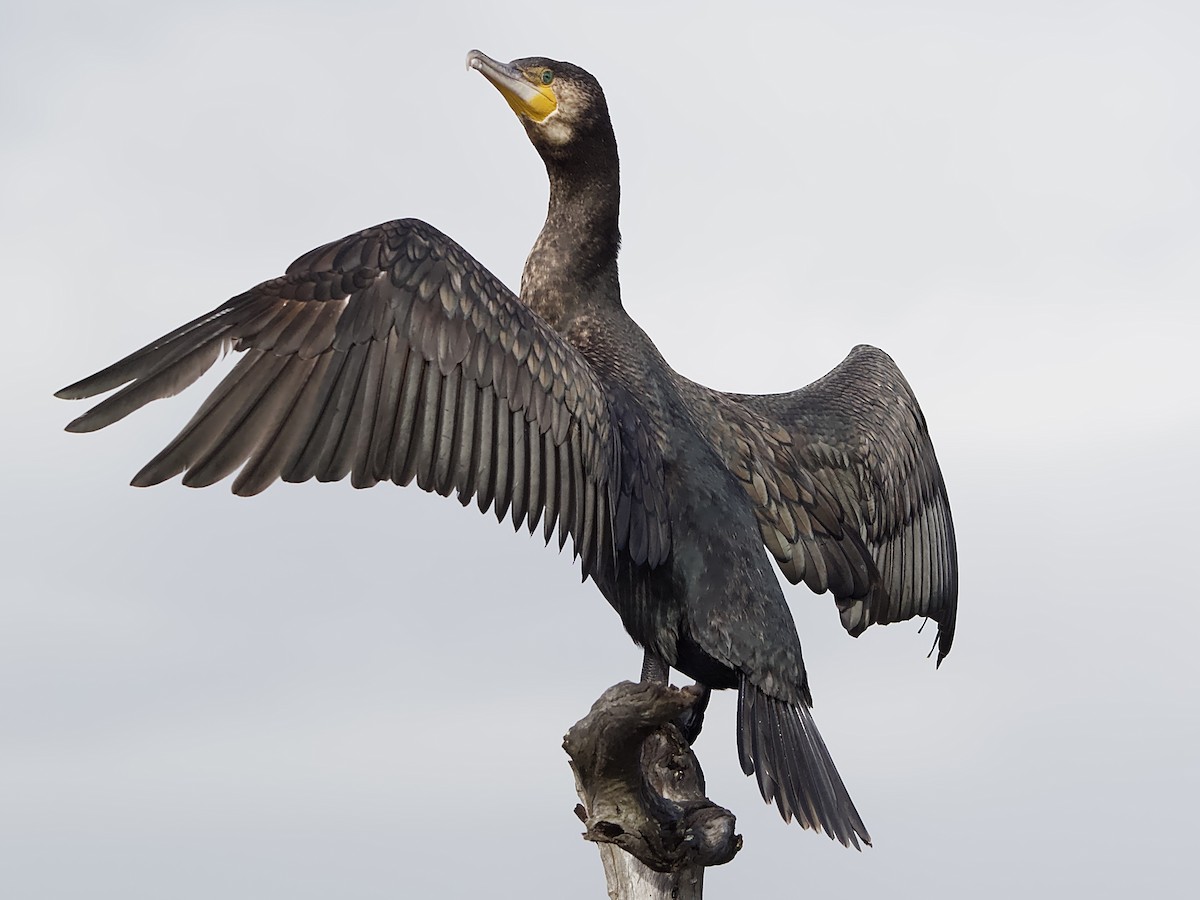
561 106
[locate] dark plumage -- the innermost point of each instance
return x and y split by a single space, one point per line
392 354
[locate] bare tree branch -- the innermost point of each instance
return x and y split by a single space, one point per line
643 793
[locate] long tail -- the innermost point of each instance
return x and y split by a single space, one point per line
781 743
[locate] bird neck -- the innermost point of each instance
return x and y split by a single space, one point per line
573 265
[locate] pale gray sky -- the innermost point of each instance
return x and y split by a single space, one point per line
327 693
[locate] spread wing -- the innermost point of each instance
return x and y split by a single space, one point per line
874 527
391 355
802 522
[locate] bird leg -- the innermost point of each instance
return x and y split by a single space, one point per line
656 670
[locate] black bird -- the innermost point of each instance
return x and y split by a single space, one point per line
392 354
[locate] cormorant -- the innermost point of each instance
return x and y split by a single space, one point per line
392 354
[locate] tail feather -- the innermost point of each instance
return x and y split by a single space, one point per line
780 743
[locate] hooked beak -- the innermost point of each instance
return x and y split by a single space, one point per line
527 99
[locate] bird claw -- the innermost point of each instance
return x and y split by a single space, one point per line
692 721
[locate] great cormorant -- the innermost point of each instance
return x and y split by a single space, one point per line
392 354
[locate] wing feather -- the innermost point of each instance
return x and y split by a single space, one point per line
278 452
537 497
258 415
519 467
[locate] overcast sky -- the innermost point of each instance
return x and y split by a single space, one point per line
322 693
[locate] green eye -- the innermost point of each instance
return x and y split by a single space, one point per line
547 76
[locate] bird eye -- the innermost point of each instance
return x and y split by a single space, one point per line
547 76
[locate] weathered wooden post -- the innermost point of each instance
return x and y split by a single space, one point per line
642 794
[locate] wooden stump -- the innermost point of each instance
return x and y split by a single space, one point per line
642 794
